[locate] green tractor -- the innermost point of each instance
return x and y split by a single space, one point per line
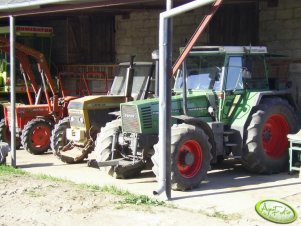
224 104
73 137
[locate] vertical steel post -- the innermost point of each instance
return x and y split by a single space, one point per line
12 90
167 87
165 91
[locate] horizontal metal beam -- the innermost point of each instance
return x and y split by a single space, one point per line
71 7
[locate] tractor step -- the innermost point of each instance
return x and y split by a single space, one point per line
230 145
113 162
229 132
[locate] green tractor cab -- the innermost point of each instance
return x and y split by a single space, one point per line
224 104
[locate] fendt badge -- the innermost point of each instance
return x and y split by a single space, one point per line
128 116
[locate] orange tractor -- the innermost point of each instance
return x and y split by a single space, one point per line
35 121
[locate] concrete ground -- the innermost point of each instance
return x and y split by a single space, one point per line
229 189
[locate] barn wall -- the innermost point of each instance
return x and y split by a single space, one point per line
138 33
84 39
280 27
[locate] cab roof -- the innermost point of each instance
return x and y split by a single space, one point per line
230 49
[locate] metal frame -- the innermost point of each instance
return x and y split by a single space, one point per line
164 89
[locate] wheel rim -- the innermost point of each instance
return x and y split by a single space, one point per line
274 136
40 137
190 158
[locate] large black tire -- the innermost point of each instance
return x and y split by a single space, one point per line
103 152
190 157
5 135
35 136
266 146
4 132
58 138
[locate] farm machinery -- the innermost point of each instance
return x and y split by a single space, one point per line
35 121
225 103
73 137
37 37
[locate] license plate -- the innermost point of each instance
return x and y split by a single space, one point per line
75 135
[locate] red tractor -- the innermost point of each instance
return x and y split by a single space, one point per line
35 121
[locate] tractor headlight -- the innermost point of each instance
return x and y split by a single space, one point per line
81 119
72 119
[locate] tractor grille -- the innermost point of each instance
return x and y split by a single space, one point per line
146 113
130 119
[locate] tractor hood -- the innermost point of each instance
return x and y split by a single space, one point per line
142 116
96 102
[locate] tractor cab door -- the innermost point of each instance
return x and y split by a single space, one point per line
233 88
243 74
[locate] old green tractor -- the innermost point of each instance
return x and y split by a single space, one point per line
224 104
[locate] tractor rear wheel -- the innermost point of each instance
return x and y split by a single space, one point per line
266 146
36 136
58 138
103 152
5 135
190 157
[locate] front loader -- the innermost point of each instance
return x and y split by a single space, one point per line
73 138
28 77
225 104
35 122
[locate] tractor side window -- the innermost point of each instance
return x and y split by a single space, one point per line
256 77
234 74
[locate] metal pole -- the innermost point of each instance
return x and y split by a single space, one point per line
165 91
165 66
169 5
12 91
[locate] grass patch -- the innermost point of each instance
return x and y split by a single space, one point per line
128 198
50 178
4 169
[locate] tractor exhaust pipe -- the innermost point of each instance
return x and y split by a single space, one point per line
155 57
129 79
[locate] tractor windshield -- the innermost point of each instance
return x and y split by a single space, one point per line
203 72
140 80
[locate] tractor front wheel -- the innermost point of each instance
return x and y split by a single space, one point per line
103 152
4 132
36 136
266 146
58 138
190 157
5 135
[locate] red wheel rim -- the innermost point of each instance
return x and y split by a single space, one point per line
274 136
190 158
40 137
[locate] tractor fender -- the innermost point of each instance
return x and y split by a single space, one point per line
202 124
48 119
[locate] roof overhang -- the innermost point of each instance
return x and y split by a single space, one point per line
35 7
39 7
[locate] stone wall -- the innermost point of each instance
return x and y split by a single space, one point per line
280 27
138 33
279 30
